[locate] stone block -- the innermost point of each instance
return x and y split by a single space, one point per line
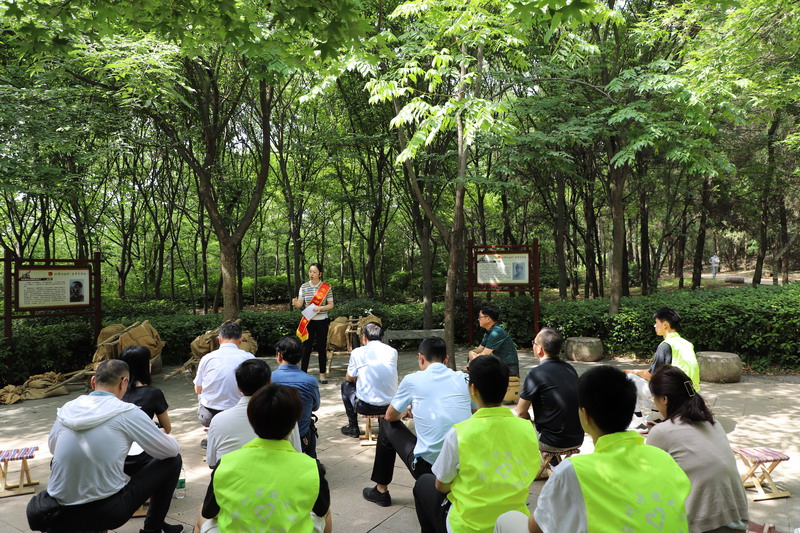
735 279
583 349
719 367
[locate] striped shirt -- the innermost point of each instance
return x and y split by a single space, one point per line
307 292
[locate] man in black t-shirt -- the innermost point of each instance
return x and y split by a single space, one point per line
551 388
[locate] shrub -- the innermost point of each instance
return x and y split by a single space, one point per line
761 324
268 289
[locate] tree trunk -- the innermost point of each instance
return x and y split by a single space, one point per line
560 235
617 178
644 253
699 251
591 259
763 242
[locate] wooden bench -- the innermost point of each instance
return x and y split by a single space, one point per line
411 334
25 485
759 463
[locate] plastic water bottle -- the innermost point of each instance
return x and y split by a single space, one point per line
180 488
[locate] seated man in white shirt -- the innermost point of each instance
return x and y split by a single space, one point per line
90 439
371 379
215 382
438 398
231 429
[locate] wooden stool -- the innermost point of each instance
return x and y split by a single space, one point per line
512 393
368 439
23 487
760 462
547 457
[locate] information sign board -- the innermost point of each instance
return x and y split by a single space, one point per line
52 287
502 269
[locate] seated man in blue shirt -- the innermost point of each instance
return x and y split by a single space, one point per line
438 398
289 352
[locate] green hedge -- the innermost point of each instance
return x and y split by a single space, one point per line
762 325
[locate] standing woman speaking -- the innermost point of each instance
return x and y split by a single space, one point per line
316 299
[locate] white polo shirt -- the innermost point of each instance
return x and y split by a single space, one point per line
439 398
216 374
375 366
230 430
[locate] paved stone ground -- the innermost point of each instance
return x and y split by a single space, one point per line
760 410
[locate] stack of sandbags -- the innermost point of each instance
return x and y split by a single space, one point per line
209 341
337 334
115 338
35 388
364 320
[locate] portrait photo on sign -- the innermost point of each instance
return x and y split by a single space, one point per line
76 290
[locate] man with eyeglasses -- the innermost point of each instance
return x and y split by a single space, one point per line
496 341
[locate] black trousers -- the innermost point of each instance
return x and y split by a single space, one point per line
308 442
205 414
156 481
353 405
432 506
317 340
395 439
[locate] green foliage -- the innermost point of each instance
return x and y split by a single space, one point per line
116 309
41 345
268 289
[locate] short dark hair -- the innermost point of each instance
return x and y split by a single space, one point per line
550 340
608 396
682 400
668 314
372 331
110 372
290 348
490 376
230 330
138 360
251 375
490 311
319 267
433 349
274 410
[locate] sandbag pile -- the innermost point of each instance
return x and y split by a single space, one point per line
337 332
113 339
209 341
35 388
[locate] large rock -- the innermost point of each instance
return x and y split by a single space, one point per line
735 279
583 349
719 367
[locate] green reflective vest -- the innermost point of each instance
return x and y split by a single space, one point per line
684 358
266 486
628 485
498 457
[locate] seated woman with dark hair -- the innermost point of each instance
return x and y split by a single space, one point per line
699 445
267 483
148 398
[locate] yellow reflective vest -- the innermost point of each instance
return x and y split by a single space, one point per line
628 485
498 457
266 486
683 357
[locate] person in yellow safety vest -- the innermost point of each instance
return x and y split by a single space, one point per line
487 462
625 484
674 350
268 485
